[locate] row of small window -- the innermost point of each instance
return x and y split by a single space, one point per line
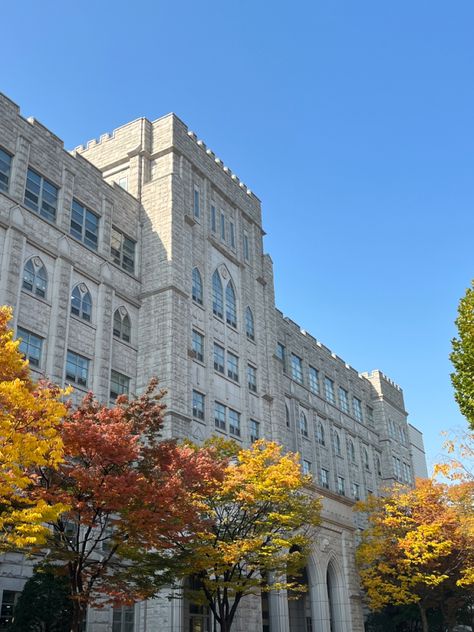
337 445
41 196
225 418
232 364
329 387
77 366
401 470
226 227
397 432
324 478
35 280
218 307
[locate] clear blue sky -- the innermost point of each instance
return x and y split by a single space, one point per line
351 120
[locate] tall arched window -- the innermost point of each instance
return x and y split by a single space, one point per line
303 424
366 460
81 302
337 443
378 466
287 415
230 305
197 286
217 295
35 278
321 438
352 453
249 324
122 325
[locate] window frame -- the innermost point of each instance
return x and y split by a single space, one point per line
25 345
122 257
122 381
5 176
38 206
296 368
81 235
74 378
197 342
198 405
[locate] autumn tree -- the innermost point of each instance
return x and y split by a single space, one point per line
259 524
416 548
29 416
129 494
462 357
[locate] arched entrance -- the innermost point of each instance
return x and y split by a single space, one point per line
299 607
334 591
197 618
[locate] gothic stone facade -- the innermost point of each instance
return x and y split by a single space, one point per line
141 254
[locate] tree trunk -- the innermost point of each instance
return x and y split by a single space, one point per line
423 617
79 612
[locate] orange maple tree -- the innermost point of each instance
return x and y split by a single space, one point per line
130 496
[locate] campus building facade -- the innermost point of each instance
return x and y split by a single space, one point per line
141 254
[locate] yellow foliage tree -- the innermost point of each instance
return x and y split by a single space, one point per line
260 521
29 416
417 549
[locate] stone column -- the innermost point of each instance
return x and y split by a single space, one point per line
278 606
103 336
12 260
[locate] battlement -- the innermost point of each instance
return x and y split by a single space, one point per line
377 373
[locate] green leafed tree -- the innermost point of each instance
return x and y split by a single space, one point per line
44 605
462 356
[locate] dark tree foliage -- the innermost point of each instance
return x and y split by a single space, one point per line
44 605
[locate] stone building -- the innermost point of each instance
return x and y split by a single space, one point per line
141 254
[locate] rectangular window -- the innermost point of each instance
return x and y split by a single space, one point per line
198 405
296 368
232 234
343 400
246 247
123 182
232 366
341 486
357 408
196 206
356 491
324 476
329 390
313 380
219 355
119 385
222 226
219 416
254 431
213 218
9 599
198 345
41 195
280 353
234 422
123 251
252 378
123 619
5 169
77 368
370 416
306 467
31 346
84 225
407 472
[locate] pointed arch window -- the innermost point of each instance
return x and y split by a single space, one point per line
81 302
287 415
378 466
249 324
337 443
35 278
321 437
230 305
303 424
122 325
217 295
366 460
197 287
352 453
